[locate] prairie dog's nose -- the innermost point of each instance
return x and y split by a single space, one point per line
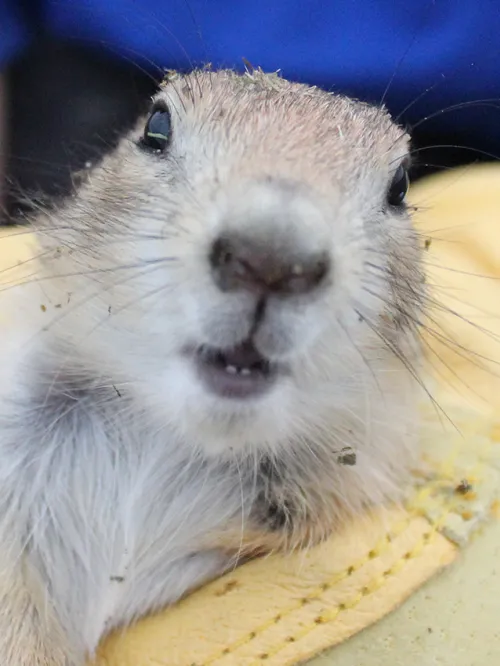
242 262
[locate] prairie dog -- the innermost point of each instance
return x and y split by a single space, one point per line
222 316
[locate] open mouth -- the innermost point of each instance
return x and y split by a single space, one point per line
239 372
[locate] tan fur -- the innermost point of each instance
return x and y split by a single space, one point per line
29 633
112 455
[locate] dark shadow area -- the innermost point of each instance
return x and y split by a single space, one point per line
67 106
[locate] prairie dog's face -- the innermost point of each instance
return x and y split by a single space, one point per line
260 269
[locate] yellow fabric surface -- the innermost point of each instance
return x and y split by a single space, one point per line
283 610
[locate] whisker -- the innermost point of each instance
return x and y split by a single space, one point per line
362 356
397 352
84 273
493 103
417 99
479 151
400 62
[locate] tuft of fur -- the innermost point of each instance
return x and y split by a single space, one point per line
124 482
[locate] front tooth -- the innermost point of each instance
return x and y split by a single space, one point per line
231 369
245 371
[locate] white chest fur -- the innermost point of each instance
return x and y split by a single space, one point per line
110 514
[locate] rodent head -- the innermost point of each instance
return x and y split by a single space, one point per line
247 258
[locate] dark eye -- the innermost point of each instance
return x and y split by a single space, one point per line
158 130
399 187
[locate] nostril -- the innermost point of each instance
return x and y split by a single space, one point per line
230 265
221 253
243 263
304 277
